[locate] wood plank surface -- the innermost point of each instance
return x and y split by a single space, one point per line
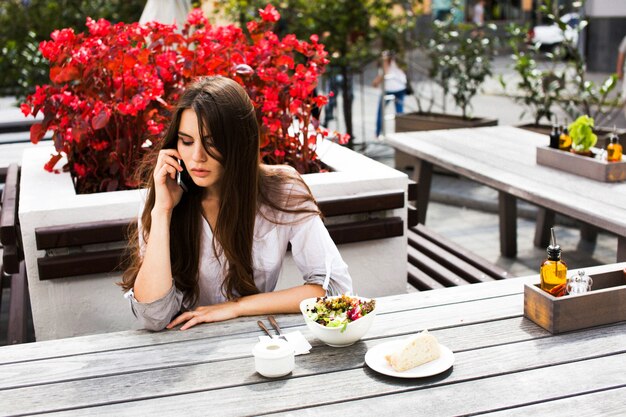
534 374
239 346
134 338
503 158
499 354
418 302
474 397
606 403
199 376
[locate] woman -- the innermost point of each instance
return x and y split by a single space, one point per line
215 251
395 83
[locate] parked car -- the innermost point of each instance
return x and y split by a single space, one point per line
551 38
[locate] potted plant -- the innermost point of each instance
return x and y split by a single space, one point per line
113 86
583 138
110 93
564 83
460 61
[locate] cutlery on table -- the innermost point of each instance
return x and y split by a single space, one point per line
262 326
276 327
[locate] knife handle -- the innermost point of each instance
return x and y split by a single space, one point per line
262 326
275 325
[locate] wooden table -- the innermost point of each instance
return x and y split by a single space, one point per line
504 158
505 364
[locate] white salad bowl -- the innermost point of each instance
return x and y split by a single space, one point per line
334 336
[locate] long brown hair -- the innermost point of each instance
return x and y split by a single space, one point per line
224 109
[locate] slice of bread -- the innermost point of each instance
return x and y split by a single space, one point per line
414 351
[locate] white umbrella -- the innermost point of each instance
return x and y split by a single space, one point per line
166 11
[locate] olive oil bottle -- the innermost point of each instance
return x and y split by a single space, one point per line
553 270
614 148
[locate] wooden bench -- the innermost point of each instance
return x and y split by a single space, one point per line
13 270
434 261
100 247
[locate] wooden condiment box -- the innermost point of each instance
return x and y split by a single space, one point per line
605 303
582 165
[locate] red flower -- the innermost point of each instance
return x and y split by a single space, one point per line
114 87
269 14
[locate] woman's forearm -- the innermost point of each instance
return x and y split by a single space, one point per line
154 279
276 302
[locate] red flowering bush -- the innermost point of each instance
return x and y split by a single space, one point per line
112 89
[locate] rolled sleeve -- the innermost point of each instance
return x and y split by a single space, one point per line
312 249
157 314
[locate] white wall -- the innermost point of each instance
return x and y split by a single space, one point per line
605 8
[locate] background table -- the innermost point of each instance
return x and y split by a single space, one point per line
505 364
504 158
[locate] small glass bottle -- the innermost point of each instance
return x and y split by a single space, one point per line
554 136
553 270
565 140
614 148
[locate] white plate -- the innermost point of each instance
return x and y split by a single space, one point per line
375 359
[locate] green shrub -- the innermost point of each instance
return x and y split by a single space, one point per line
25 23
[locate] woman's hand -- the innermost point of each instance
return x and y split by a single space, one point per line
167 192
206 314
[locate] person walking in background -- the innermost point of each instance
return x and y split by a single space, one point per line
621 54
478 13
395 82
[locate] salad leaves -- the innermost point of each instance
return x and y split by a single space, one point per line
339 311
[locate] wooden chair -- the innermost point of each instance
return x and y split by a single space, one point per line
13 270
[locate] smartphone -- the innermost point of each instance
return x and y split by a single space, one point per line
181 176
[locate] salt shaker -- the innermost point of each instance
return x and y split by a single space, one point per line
579 283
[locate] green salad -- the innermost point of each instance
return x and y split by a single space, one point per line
339 311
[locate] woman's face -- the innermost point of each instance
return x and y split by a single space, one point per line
205 171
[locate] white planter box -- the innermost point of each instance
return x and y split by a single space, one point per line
94 304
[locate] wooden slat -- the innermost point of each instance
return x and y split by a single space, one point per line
11 259
601 403
447 259
19 307
507 211
80 264
157 356
421 280
468 256
366 230
474 371
361 204
21 125
438 396
82 233
229 371
116 230
386 305
8 218
412 217
423 177
96 262
412 191
434 269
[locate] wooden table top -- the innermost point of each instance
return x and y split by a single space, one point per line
504 158
504 364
